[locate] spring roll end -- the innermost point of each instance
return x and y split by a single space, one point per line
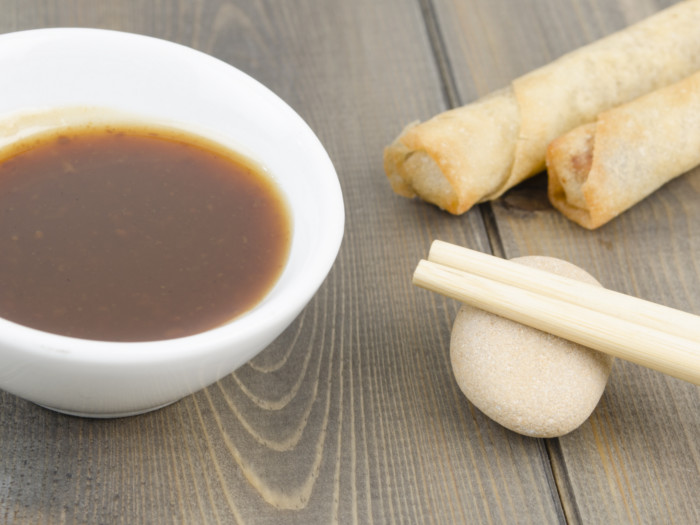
569 162
412 172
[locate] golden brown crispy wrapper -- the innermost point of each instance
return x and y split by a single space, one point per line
599 170
476 152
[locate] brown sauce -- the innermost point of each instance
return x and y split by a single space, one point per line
135 234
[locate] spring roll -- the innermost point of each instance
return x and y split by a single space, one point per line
598 170
476 152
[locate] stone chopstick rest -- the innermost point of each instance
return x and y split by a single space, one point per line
527 343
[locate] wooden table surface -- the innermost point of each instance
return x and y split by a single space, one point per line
353 414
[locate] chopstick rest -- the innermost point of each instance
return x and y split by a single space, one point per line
527 380
645 333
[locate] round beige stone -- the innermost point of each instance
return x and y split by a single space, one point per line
529 381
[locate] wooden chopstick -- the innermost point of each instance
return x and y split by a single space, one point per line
570 290
643 332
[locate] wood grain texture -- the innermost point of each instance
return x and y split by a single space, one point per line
352 415
637 458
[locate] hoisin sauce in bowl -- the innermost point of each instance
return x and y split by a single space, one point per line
164 316
134 233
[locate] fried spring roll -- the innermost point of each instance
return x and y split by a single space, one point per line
476 152
598 170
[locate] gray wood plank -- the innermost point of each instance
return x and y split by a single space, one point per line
637 459
352 415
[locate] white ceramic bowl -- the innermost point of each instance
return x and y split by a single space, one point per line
51 69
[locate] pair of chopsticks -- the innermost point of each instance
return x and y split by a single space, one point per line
636 330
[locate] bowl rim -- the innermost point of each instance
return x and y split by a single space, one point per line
293 297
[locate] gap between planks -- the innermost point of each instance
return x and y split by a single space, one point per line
452 100
561 491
